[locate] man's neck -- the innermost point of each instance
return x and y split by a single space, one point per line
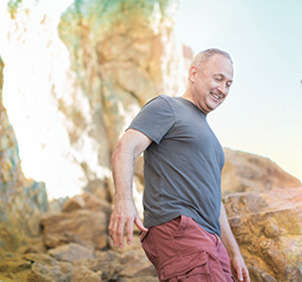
188 96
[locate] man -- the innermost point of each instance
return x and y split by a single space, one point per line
183 215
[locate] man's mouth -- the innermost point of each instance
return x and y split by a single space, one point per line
216 96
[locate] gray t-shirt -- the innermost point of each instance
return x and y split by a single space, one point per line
182 166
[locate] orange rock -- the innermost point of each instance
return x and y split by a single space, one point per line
268 228
248 172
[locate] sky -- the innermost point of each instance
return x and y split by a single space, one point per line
262 114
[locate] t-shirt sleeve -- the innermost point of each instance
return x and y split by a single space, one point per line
154 119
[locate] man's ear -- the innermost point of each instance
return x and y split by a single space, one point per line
192 74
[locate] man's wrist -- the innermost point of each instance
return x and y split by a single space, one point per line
235 253
122 197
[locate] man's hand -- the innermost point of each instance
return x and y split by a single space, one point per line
240 268
123 216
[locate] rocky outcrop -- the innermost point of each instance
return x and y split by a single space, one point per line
99 62
21 200
268 227
123 54
83 220
81 93
245 172
77 249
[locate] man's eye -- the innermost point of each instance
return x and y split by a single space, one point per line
229 84
218 78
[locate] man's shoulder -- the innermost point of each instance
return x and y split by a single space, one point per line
162 98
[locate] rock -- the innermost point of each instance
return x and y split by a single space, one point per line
122 266
85 227
72 252
268 228
44 259
135 263
108 263
84 274
245 172
21 200
35 245
86 201
140 279
46 273
13 265
100 188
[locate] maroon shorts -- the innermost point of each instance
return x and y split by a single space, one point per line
181 250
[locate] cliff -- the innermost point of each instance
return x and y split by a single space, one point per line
75 74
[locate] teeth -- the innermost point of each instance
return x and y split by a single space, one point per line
215 96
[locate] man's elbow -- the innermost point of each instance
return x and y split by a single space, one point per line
116 153
121 149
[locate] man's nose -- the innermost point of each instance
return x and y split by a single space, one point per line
223 89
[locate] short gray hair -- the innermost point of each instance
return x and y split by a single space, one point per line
203 56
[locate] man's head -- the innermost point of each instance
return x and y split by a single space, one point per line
210 78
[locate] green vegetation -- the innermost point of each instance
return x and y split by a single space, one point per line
13 7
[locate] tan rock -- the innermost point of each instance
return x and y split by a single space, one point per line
108 263
268 228
46 273
122 266
134 262
86 201
82 273
41 258
100 188
72 252
140 279
248 172
80 226
14 264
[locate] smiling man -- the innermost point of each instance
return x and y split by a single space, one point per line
185 228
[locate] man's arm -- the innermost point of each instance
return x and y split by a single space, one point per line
124 213
232 247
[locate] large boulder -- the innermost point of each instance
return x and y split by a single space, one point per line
83 221
246 172
268 228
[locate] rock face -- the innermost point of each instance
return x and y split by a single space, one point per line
84 221
99 62
21 200
82 91
268 227
77 249
244 172
123 53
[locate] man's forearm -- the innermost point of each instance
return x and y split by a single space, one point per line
123 170
227 236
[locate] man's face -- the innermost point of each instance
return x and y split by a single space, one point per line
211 82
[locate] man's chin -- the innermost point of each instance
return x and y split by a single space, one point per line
212 107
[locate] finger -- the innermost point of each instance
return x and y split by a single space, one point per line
110 226
139 224
120 232
239 273
246 275
129 231
113 231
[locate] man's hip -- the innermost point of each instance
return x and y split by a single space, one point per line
181 250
